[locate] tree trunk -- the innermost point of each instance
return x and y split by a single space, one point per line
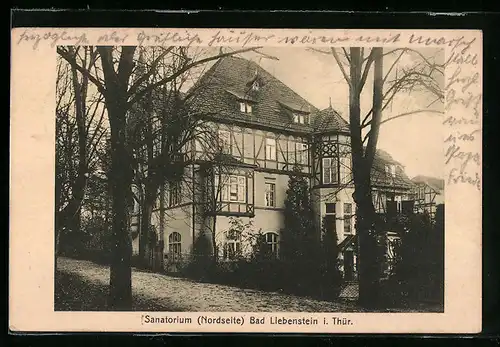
214 241
146 237
368 260
120 284
362 186
120 266
120 290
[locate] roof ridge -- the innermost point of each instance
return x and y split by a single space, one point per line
233 73
275 78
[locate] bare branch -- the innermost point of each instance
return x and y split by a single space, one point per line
313 49
346 55
366 70
72 61
151 71
182 70
393 65
410 113
339 63
368 134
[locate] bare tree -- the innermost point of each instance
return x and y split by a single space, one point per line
79 135
112 78
423 76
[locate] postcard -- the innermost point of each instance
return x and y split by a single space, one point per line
245 180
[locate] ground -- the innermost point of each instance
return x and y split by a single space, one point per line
82 285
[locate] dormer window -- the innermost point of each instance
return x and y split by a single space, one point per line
390 170
299 118
245 107
256 86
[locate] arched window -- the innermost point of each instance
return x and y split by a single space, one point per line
272 241
174 246
232 246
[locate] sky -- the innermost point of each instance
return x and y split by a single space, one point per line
416 141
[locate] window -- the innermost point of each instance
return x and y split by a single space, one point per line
301 153
175 196
330 170
345 170
225 141
245 107
174 246
270 149
272 242
330 208
399 203
299 118
232 246
390 170
256 86
237 188
347 218
330 218
233 188
270 195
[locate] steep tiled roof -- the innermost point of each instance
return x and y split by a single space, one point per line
231 78
329 120
379 176
435 183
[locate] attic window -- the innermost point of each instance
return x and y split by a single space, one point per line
256 86
299 118
245 107
390 170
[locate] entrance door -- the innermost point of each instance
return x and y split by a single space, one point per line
349 265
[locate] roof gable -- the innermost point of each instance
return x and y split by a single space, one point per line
230 80
329 120
379 175
435 183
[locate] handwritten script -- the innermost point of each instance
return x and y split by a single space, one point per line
463 95
242 37
463 117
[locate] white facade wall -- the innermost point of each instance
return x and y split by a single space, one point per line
179 220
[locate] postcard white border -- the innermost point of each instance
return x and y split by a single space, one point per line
31 282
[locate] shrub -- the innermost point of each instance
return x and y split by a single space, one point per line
418 274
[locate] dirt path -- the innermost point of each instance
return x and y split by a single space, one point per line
187 295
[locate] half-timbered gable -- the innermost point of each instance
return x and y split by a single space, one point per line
428 193
392 189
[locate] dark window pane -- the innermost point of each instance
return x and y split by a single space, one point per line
330 207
